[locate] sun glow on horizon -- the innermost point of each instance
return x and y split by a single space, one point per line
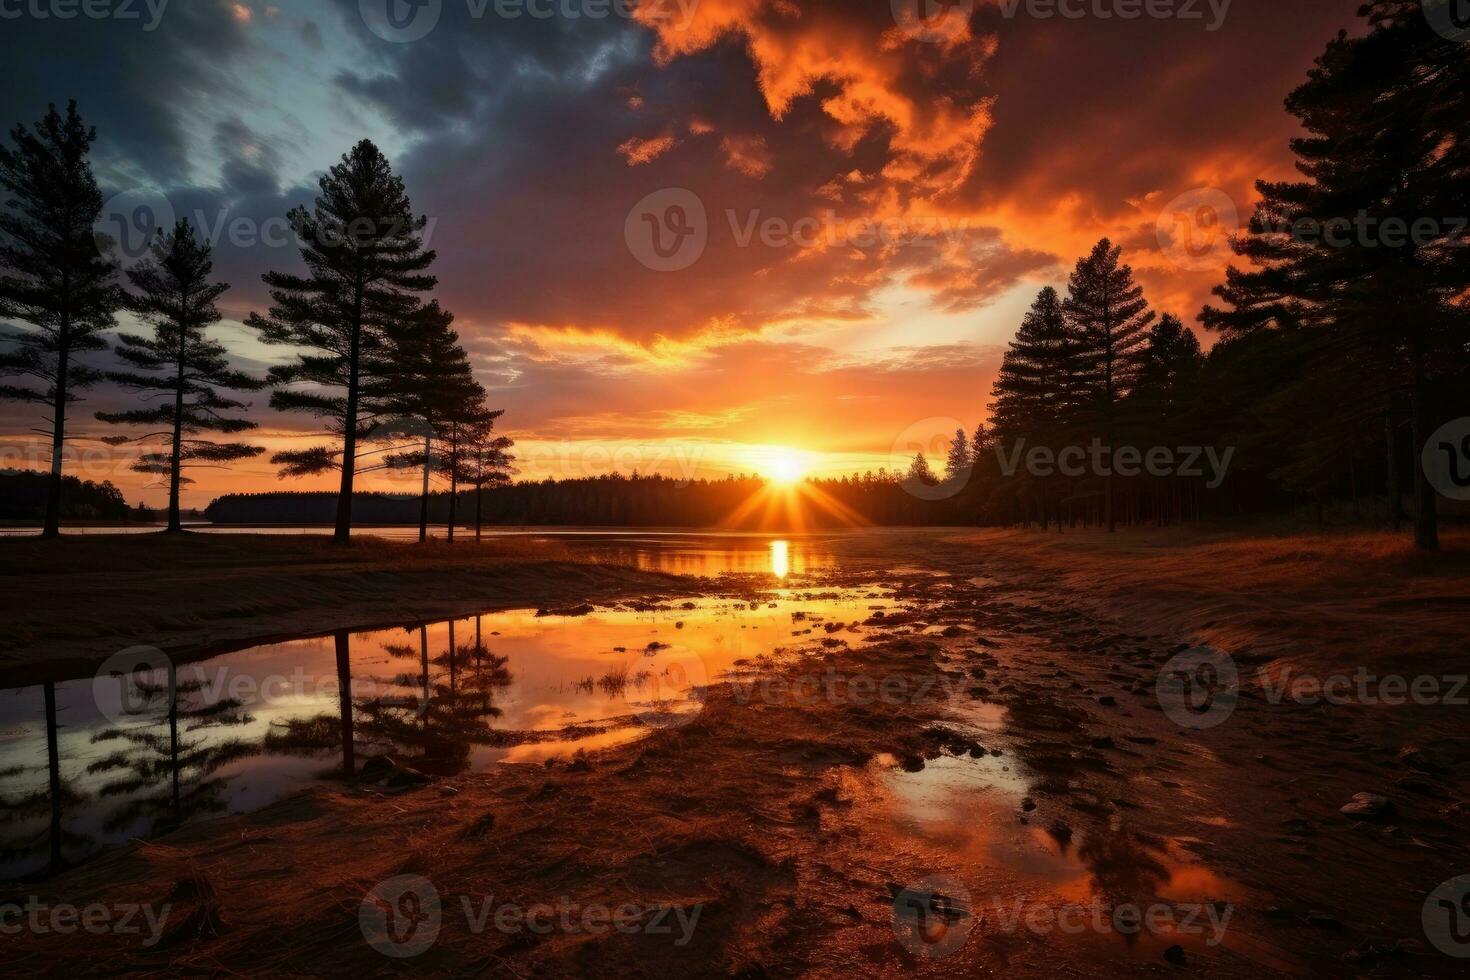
781 465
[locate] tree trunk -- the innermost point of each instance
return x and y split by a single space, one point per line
424 496
53 766
1395 495
176 462
1426 503
479 505
52 528
343 532
344 700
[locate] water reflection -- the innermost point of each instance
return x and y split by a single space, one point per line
238 731
781 559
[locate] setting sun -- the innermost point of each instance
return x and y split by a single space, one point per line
785 467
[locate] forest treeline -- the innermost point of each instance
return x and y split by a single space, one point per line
1342 344
375 357
23 498
615 500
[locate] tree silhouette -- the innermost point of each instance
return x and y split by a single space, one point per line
55 273
1105 308
366 263
485 461
174 294
1361 256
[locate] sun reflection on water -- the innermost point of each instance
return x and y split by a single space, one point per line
780 558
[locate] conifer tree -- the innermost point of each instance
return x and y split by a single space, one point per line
1364 255
366 264
173 293
1106 310
957 464
56 273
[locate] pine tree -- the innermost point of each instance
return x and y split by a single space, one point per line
1039 382
1105 308
366 262
957 463
428 378
173 293
486 461
919 472
1385 115
56 273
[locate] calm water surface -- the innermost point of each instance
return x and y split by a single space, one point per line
140 752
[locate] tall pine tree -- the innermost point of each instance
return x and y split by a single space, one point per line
1106 310
173 293
366 264
1365 256
56 274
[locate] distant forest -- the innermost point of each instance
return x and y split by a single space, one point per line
23 498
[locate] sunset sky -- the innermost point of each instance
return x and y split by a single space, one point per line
994 149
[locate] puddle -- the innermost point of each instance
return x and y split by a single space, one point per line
250 727
1029 876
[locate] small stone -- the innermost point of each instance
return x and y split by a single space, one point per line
1108 701
1368 806
1028 804
1175 955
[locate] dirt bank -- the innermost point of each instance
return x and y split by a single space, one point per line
1023 754
74 602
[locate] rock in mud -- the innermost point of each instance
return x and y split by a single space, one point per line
1175 955
1368 806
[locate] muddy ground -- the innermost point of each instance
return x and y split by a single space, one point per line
1020 764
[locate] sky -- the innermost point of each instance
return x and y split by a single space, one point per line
693 236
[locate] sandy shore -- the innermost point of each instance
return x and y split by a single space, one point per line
787 823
